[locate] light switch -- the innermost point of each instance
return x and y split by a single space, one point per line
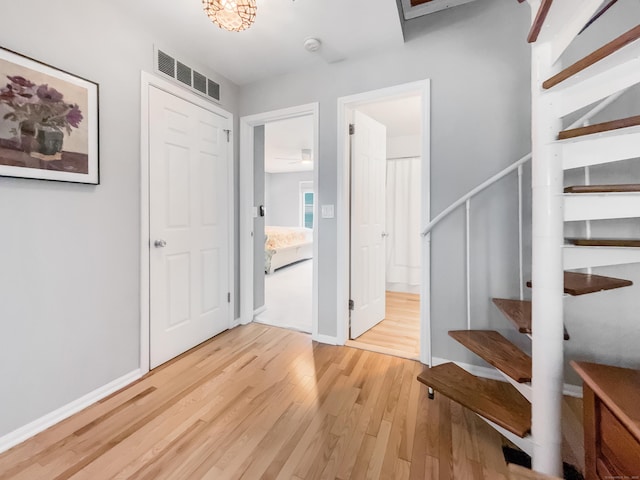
327 211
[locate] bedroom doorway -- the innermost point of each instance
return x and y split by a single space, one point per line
386 164
285 193
279 254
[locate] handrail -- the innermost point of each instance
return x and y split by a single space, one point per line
474 192
462 200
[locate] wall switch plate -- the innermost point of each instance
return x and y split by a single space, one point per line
328 211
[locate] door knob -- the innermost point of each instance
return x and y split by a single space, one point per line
160 243
384 234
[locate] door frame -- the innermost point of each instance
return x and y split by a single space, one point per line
246 210
147 81
346 106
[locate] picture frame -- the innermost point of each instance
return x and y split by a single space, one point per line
49 122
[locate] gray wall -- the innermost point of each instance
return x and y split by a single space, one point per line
478 60
283 197
69 254
258 222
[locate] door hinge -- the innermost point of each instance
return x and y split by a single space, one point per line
228 297
352 129
352 305
228 132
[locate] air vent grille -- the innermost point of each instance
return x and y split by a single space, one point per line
176 70
184 74
214 90
166 64
200 82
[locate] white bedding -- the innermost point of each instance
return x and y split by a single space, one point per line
286 245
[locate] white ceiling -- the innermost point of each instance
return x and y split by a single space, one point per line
284 142
274 44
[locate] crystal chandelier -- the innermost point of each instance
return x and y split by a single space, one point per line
232 15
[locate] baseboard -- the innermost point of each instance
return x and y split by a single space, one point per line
493 374
31 429
329 340
259 310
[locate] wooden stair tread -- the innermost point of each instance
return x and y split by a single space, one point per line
600 127
497 351
541 16
497 401
620 188
594 57
604 242
583 283
519 313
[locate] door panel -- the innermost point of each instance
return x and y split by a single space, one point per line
189 211
368 203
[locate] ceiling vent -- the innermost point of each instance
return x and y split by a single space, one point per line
168 66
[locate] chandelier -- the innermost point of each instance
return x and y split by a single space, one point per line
232 15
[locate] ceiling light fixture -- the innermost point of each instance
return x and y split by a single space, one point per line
232 15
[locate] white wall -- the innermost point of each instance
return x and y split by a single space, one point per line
69 254
282 198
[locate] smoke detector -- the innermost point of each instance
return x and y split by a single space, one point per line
312 44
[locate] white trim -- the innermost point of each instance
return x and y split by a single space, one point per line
259 310
148 80
41 424
247 124
328 339
345 106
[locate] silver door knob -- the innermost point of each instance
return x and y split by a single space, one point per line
160 243
385 234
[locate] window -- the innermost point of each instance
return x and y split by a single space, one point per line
307 197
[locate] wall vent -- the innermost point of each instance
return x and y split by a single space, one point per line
168 66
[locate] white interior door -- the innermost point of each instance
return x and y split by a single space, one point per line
368 202
189 251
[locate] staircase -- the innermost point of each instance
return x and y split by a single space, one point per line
526 409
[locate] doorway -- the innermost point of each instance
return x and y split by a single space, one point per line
186 217
384 165
285 195
254 260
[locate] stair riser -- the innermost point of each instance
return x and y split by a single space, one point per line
586 257
578 207
578 94
604 148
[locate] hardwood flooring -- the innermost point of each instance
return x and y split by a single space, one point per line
399 333
259 402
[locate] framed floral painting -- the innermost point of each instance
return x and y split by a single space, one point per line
48 122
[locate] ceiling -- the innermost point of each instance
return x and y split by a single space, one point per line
274 44
284 141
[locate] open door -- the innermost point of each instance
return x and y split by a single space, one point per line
368 203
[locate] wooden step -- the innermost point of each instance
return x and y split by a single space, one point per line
541 16
603 52
496 350
603 242
626 187
600 127
583 283
519 313
496 401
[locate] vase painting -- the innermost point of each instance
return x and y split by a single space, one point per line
48 122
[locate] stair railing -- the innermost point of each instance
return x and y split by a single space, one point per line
466 201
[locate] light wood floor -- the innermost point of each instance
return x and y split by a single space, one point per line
262 402
399 333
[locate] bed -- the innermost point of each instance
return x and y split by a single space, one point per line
286 245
